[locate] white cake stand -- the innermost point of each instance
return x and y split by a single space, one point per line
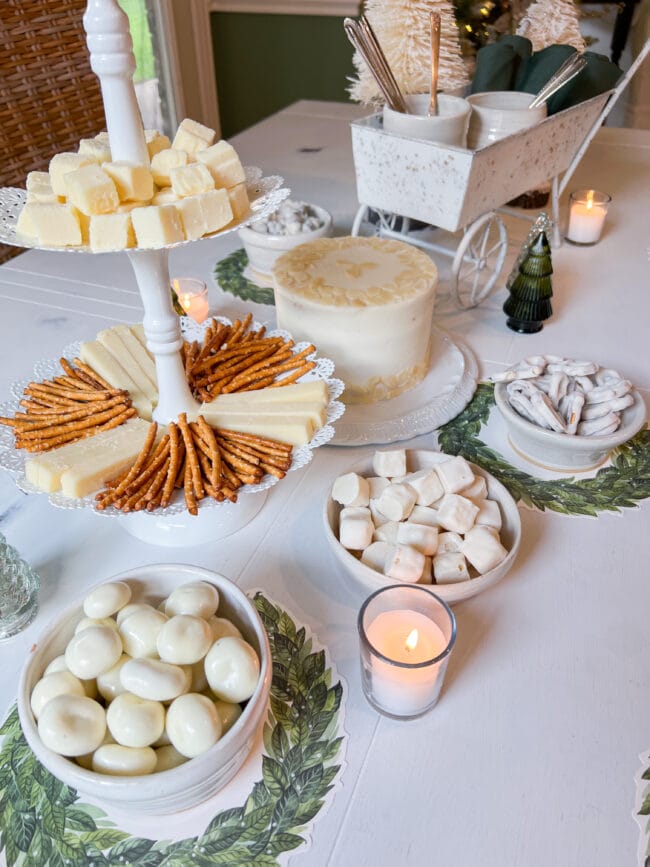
111 58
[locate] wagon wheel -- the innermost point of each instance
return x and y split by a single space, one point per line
381 222
478 260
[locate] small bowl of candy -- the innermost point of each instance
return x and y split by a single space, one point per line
292 224
567 414
422 517
149 692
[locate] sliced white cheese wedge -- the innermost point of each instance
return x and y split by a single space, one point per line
139 352
112 340
100 359
313 390
220 412
137 330
296 430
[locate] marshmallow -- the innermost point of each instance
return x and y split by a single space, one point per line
424 515
72 725
48 687
93 651
121 761
376 554
397 501
427 485
134 721
449 542
376 485
378 517
489 513
355 530
419 536
457 513
197 597
193 724
152 679
482 549
184 639
389 463
233 669
450 568
107 599
386 533
405 564
477 490
351 490
455 474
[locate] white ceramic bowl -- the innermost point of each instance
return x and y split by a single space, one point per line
560 451
449 126
263 249
195 780
499 113
371 580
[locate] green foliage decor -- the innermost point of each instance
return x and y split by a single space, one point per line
229 274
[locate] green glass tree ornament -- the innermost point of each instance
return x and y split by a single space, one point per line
529 303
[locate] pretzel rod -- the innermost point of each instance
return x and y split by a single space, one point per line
78 435
156 460
256 371
214 339
231 478
71 394
239 328
206 469
158 481
24 421
273 470
235 366
66 432
293 376
192 460
211 439
259 441
174 461
237 450
190 501
78 424
223 355
280 463
239 464
72 382
257 384
140 461
33 405
178 483
53 400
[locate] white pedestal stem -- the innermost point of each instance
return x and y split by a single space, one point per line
163 332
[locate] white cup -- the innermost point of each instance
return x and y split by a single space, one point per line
499 113
449 126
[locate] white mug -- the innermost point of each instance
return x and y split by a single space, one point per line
448 127
498 113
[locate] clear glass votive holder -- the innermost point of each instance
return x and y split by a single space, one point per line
587 213
192 295
406 636
19 586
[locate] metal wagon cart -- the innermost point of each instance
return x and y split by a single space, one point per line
403 179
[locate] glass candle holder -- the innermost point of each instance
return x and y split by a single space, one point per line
192 295
19 586
587 212
406 636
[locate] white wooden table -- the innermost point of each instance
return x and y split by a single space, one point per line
529 758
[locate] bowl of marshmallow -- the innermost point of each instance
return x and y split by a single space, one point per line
149 692
292 224
422 517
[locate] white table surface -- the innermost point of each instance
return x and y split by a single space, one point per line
528 759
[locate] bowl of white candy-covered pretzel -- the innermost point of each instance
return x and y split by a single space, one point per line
149 692
567 414
422 517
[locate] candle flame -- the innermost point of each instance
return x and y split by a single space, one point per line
412 640
590 200
185 300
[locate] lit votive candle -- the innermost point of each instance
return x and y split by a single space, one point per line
587 212
192 296
406 635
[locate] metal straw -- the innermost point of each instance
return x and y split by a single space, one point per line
569 69
435 62
362 37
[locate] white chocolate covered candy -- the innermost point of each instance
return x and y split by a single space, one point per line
351 490
168 757
120 761
72 725
355 528
134 721
376 485
51 685
139 632
489 513
457 513
220 627
455 474
405 564
131 608
376 554
424 515
57 664
153 679
378 517
482 549
229 713
477 490
107 599
193 723
449 542
450 568
184 639
419 536
109 684
386 533
198 598
389 463
233 669
397 501
85 622
93 651
427 486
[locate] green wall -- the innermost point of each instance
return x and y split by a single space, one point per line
265 62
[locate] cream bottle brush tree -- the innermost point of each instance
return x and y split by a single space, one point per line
403 30
552 22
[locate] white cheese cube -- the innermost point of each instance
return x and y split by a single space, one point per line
36 179
43 193
455 474
166 196
457 513
424 515
449 542
378 518
25 225
419 536
389 463
102 137
134 183
482 550
192 136
376 554
155 142
91 190
450 568
427 486
216 210
386 533
239 201
427 571
111 232
477 490
355 531
53 225
224 164
351 490
190 180
192 218
405 564
164 161
396 502
376 484
489 514
84 224
61 164
157 225
96 149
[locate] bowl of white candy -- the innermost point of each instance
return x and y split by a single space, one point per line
292 224
149 692
567 414
422 517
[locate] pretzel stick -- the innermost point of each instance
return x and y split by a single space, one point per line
259 441
211 439
293 376
92 374
71 436
174 462
190 501
25 422
135 469
181 469
192 460
77 425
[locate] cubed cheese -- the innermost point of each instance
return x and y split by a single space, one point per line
157 225
53 225
164 161
239 201
155 141
191 214
25 225
61 164
217 212
97 150
42 192
111 232
164 197
190 180
134 183
192 136
36 179
91 190
223 163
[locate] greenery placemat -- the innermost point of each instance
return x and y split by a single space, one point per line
229 274
621 484
42 821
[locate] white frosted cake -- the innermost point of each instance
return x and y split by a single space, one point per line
366 303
